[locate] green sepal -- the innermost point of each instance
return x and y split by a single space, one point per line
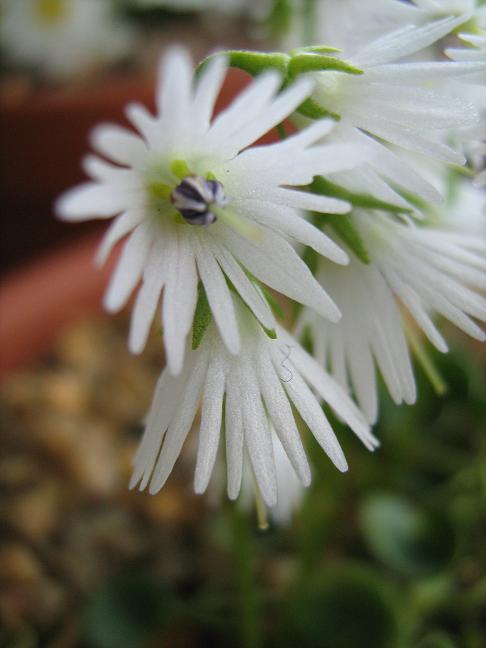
310 256
272 302
254 63
347 232
306 340
202 317
272 333
308 62
315 49
313 110
325 187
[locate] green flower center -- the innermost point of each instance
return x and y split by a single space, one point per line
194 199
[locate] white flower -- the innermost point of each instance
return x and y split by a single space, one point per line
290 489
369 334
62 37
350 24
257 389
430 270
405 104
204 168
474 88
471 10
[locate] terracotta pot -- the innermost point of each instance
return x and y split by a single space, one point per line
40 299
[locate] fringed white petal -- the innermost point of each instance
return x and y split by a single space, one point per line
180 298
179 426
257 433
118 144
234 436
211 418
129 268
218 294
275 262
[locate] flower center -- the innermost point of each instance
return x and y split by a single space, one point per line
51 12
196 198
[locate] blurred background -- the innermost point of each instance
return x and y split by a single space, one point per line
391 554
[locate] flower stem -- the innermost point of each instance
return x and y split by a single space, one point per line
425 361
248 607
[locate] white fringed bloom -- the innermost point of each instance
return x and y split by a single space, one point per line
369 335
231 7
257 389
405 104
335 23
429 270
474 139
290 488
350 24
250 190
62 37
474 11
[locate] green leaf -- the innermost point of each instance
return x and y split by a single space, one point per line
125 612
306 339
273 303
437 640
341 607
302 63
315 49
347 232
202 317
310 256
414 541
325 187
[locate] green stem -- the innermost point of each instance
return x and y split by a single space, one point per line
244 571
425 361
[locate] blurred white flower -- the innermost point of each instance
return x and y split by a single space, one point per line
351 24
474 11
231 7
430 270
370 333
290 489
62 38
257 389
199 204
